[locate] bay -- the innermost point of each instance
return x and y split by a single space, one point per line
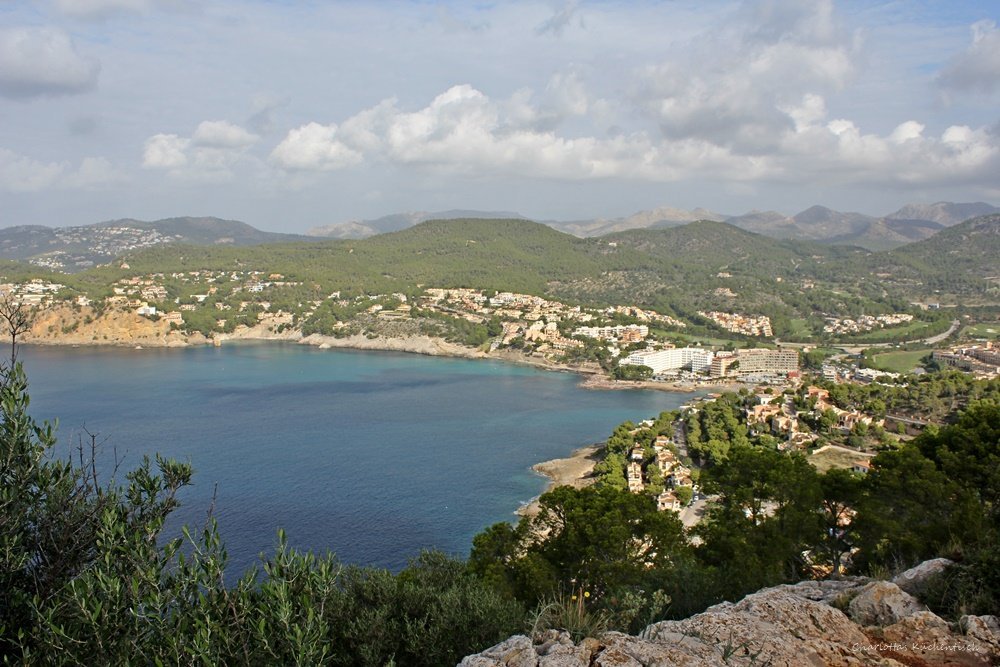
371 455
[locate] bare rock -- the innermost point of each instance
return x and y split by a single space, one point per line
785 626
666 649
984 629
925 637
775 627
924 625
882 603
517 651
559 651
826 590
914 580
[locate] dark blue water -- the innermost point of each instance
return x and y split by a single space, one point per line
371 455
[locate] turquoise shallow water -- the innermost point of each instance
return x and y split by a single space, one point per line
371 455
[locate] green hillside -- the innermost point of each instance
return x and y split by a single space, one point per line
680 271
959 263
970 249
489 254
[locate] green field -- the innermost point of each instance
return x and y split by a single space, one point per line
835 457
989 331
706 340
899 362
912 331
800 329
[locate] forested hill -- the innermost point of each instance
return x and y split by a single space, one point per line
961 261
971 248
701 265
491 254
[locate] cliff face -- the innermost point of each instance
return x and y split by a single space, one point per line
82 325
837 623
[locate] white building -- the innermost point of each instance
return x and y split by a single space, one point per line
695 358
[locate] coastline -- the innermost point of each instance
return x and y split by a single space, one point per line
575 470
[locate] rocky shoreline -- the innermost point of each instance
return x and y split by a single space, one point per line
575 470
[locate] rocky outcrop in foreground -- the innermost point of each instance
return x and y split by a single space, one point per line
846 622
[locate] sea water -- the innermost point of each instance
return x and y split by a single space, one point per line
371 455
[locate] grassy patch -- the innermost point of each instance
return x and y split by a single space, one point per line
692 339
834 458
899 362
911 331
989 331
800 329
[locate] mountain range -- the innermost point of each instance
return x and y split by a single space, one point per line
359 229
913 222
700 266
71 249
81 247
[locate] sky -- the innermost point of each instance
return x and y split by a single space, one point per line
289 115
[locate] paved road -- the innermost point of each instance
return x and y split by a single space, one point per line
933 340
693 513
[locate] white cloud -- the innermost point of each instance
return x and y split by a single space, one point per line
23 174
19 173
908 131
810 110
724 97
165 151
314 147
94 172
43 61
462 131
209 155
840 150
222 134
978 68
733 86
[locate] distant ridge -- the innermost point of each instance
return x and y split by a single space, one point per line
81 247
658 218
205 230
943 213
913 222
359 229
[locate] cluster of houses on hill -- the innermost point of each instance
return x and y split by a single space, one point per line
141 293
978 359
537 320
35 293
674 474
766 413
748 325
837 325
645 316
82 245
782 418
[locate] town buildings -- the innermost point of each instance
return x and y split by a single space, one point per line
755 361
981 359
695 359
